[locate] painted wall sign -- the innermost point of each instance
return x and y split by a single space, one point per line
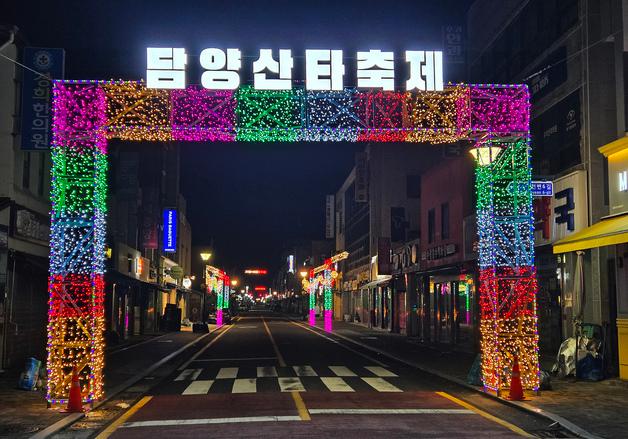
272 70
564 213
170 231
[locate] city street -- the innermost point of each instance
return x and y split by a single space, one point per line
268 376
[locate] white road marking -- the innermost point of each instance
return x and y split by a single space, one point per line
244 385
305 371
235 359
380 384
380 371
189 374
227 372
291 384
200 387
210 421
266 371
390 411
336 384
342 371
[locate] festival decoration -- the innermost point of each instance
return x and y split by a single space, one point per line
88 113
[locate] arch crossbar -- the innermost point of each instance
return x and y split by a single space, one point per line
86 114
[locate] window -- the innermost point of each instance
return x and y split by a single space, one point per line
431 220
444 220
413 186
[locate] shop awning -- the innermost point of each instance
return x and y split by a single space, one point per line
383 279
609 231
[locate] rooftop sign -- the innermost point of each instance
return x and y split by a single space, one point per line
272 70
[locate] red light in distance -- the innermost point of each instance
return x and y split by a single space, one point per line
256 271
260 288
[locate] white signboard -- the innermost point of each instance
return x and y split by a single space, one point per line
272 70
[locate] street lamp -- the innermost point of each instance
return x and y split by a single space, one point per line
234 282
205 256
303 274
485 152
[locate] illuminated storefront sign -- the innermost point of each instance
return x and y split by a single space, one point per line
324 69
255 271
170 231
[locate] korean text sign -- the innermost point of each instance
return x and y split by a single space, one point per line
37 95
325 69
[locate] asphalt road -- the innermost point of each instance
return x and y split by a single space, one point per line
267 376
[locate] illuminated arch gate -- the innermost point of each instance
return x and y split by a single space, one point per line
88 113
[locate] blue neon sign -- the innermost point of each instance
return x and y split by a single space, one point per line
170 231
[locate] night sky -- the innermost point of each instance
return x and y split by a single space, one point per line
250 198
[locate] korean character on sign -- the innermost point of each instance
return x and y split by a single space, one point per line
283 67
324 70
426 70
40 110
215 60
376 69
39 140
41 92
40 123
165 67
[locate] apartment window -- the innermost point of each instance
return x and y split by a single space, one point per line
26 170
413 186
431 220
444 220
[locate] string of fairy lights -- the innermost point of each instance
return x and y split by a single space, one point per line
88 113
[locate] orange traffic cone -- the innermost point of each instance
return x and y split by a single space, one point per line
516 391
75 401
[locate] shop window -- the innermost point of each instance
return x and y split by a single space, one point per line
413 186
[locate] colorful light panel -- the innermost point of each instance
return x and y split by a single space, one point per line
87 113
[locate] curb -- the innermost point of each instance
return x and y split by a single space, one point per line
539 412
70 419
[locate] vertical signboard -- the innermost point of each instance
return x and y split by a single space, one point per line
170 231
37 95
361 178
453 43
330 216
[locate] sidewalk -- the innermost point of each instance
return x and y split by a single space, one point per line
597 407
25 413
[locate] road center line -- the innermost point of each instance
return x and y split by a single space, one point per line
486 415
304 414
298 401
280 359
340 344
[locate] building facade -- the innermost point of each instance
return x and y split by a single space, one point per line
377 209
572 55
24 222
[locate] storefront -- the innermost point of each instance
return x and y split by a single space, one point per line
562 213
580 253
405 265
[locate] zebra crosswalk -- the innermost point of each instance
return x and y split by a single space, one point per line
333 378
